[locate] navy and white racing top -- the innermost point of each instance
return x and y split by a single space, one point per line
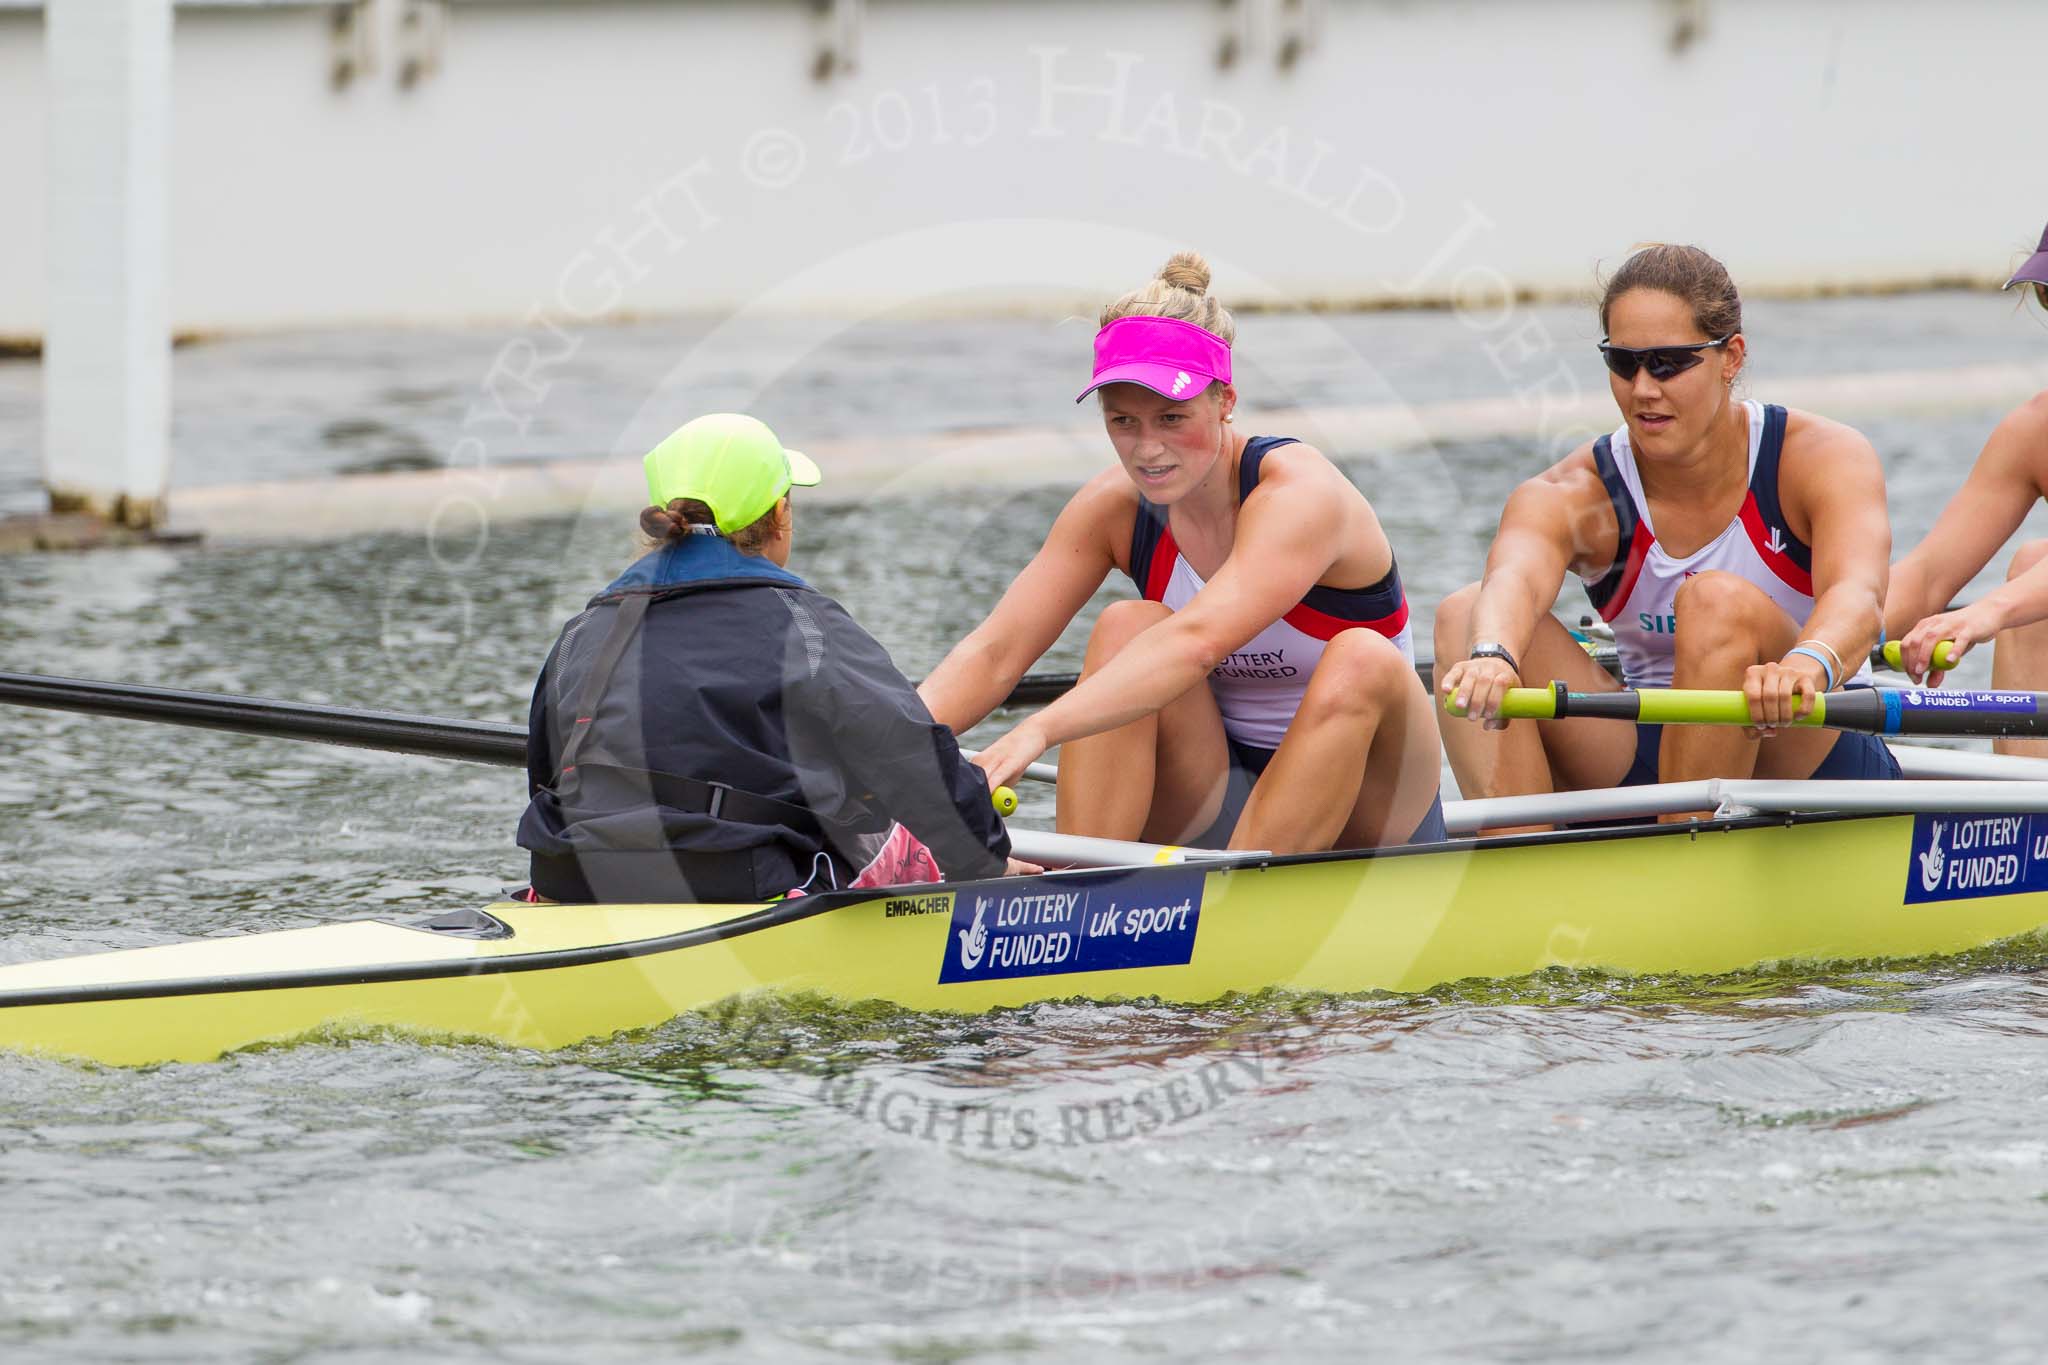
1637 592
1260 686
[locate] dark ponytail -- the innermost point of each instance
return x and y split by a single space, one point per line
664 526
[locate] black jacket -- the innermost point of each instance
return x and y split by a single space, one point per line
742 674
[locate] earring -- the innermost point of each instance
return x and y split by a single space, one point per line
1230 417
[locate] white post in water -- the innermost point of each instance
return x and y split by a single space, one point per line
107 346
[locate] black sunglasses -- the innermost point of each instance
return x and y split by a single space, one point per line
1661 361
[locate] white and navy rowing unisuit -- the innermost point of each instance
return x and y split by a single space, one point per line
1260 686
1637 593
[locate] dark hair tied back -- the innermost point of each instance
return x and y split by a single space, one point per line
665 525
1687 273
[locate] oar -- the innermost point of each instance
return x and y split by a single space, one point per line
1872 710
1041 688
1037 772
477 741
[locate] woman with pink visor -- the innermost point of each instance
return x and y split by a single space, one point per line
1262 693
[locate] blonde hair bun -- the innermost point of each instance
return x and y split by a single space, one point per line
1179 291
1186 270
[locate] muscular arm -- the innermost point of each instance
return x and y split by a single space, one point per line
1837 483
2001 488
1077 555
1560 519
1288 535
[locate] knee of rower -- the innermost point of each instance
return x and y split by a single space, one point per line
1122 622
1715 607
2028 555
1453 632
1359 671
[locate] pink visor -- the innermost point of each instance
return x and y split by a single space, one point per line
1172 358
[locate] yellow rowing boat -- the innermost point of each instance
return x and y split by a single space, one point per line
1711 897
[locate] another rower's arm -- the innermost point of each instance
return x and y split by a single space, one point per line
1558 519
2010 474
1076 557
1838 482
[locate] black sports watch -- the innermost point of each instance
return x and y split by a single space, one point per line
1494 649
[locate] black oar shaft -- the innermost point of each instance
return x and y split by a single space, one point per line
477 741
1940 711
1869 710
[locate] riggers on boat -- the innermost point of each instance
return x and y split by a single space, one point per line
1708 897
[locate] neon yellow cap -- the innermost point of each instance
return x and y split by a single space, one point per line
729 462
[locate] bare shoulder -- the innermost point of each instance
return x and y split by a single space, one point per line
2033 412
1106 501
1810 438
1572 480
1568 506
1096 524
2029 424
1301 465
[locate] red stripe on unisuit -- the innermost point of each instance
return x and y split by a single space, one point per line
1324 626
1777 561
1638 551
1160 571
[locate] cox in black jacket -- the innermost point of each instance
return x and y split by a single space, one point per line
736 672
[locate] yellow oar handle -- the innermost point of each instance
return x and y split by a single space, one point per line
1646 706
1943 661
1005 801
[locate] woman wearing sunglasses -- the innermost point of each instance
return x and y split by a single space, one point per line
1730 544
1262 694
2010 476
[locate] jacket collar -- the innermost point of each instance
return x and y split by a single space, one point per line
698 561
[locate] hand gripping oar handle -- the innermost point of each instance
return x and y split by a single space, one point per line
1943 660
1871 710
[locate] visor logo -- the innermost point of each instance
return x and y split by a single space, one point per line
1181 380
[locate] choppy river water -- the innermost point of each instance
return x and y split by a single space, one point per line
1846 1162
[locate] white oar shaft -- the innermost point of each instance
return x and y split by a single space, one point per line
1469 817
1924 761
1080 850
1615 803
1037 772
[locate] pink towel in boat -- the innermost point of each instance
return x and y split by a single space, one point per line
902 860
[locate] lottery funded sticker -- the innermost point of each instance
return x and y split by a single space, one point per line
1939 699
1094 922
1962 857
